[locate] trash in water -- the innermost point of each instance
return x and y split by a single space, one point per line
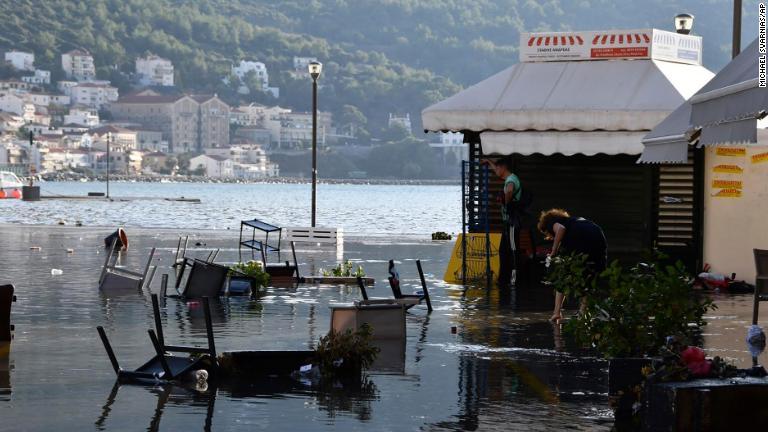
70 251
56 272
78 223
61 222
35 248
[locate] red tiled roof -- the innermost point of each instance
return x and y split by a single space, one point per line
149 99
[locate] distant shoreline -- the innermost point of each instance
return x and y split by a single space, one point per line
277 180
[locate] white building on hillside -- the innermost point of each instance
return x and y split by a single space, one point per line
404 122
40 77
93 95
212 165
45 99
12 103
20 60
301 64
258 69
78 64
153 70
83 116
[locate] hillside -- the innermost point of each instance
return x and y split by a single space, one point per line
380 56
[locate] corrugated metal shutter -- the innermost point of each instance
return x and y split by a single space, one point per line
678 206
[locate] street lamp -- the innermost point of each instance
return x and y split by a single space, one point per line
683 23
315 68
109 138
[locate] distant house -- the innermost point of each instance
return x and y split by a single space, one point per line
20 60
82 115
294 129
154 162
10 122
301 64
404 122
258 69
153 70
45 99
119 138
78 64
249 160
94 95
14 84
61 158
39 78
212 165
11 103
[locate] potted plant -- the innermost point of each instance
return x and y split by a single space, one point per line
344 270
627 315
252 273
346 354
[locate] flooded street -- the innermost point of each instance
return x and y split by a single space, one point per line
505 368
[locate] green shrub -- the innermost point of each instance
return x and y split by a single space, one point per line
347 352
630 312
344 270
253 270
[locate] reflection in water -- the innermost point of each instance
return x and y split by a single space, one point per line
353 396
5 371
165 393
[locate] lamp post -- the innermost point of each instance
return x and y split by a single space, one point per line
736 47
683 23
109 138
315 68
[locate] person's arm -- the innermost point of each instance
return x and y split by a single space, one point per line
509 192
559 230
491 164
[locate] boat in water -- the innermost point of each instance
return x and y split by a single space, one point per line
10 185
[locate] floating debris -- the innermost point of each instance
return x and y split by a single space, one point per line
70 251
56 272
35 248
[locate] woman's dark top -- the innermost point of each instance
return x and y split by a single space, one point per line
584 236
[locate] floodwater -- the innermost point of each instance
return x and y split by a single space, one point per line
505 368
381 210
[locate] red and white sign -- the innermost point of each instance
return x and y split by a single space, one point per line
610 44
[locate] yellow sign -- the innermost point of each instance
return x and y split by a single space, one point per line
731 151
729 169
729 193
760 158
727 184
476 263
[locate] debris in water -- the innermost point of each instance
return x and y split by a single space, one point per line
35 248
70 251
56 272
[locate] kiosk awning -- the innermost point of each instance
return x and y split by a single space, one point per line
566 143
609 95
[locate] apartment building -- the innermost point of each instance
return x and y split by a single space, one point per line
188 123
153 70
94 95
78 64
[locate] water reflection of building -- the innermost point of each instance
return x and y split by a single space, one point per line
5 371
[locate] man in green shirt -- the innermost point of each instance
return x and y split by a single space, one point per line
511 222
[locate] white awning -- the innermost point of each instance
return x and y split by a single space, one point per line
668 142
728 107
610 95
566 143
